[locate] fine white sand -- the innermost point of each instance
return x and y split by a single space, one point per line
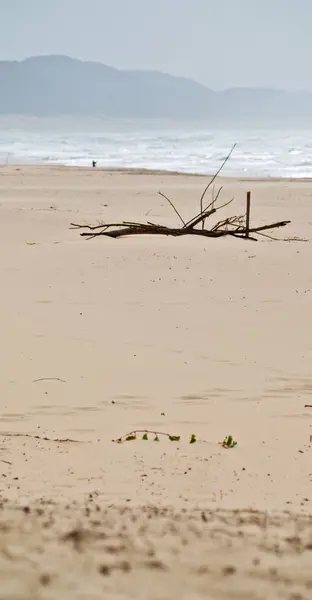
183 335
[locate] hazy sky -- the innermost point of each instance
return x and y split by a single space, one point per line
220 43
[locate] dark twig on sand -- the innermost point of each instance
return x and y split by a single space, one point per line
43 438
49 379
173 206
215 177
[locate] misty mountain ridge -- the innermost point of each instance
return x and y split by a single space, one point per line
52 86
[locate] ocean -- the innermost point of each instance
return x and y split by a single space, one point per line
185 147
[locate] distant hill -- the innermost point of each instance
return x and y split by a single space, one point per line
48 86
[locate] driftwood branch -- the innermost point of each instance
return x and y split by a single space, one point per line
122 229
235 226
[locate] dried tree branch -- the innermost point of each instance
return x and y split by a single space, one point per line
222 229
174 208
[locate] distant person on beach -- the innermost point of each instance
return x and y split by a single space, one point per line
94 163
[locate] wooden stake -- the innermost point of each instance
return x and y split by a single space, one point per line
248 213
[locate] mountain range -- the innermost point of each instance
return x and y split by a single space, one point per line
50 86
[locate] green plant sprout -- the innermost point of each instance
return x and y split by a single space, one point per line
133 435
228 442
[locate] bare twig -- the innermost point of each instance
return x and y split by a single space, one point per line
173 206
44 438
212 181
49 379
216 174
212 204
205 214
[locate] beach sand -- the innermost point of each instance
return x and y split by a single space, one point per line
183 335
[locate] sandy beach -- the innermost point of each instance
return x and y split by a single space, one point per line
180 335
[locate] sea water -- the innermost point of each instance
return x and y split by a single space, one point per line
183 147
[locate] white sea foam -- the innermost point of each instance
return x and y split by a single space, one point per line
185 147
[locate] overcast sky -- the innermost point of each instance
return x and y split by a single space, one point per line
221 43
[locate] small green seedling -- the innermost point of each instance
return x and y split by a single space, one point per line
132 436
228 442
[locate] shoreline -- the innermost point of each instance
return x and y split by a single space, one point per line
136 171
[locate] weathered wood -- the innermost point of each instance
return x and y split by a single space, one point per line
248 213
117 230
